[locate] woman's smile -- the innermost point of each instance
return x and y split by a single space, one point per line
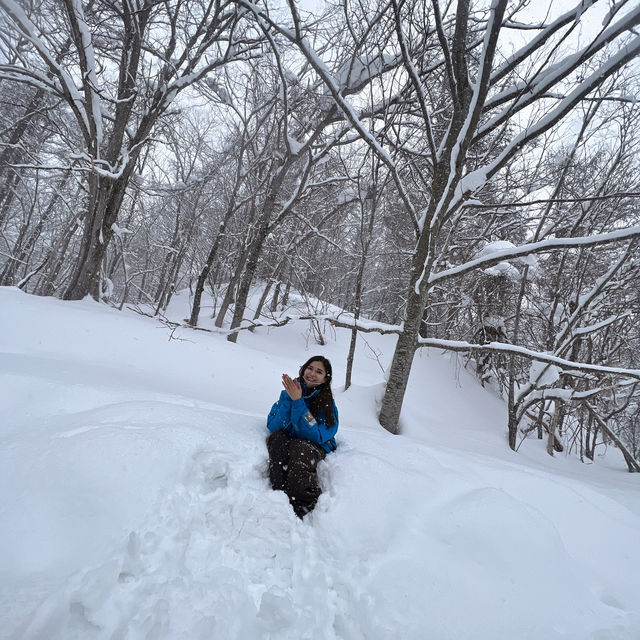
314 374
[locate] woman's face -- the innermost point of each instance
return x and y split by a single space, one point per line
315 374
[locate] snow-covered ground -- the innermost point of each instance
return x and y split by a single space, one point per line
134 502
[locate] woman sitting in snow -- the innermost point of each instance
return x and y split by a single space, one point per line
303 424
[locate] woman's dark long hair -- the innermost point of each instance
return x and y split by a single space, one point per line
323 401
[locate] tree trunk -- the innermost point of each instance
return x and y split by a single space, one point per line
354 331
400 369
106 197
275 277
55 260
512 424
512 430
202 279
11 153
17 253
263 299
231 289
273 305
247 278
350 357
552 427
287 290
417 296
255 247
204 274
27 250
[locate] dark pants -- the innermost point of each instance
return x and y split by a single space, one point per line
293 469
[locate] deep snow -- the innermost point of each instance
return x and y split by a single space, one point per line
134 502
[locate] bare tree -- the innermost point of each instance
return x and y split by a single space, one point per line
116 113
473 124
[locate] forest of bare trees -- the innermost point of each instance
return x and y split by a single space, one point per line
465 175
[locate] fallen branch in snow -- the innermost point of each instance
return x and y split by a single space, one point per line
365 327
386 329
163 320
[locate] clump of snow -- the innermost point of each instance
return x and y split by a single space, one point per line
530 261
355 72
503 269
135 501
493 247
106 288
495 322
295 145
473 181
119 231
542 374
559 314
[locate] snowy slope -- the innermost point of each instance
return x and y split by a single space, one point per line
134 502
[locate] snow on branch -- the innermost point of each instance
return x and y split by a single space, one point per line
501 347
84 45
592 328
528 94
530 203
67 87
599 290
548 31
30 77
536 247
567 394
358 71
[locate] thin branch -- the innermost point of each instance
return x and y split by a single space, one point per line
529 203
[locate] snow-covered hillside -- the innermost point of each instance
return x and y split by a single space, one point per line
134 502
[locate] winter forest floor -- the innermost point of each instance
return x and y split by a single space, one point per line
134 502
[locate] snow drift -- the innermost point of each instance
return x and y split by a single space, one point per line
135 504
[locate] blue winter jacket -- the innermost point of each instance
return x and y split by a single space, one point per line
295 418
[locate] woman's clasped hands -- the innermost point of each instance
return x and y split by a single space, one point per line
292 387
